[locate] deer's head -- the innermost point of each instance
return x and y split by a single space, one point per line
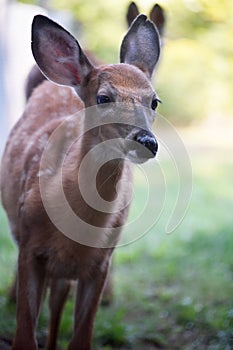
121 94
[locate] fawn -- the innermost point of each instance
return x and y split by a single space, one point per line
115 106
36 77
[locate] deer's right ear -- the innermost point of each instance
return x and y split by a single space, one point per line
57 53
141 45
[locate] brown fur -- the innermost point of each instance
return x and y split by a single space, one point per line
44 252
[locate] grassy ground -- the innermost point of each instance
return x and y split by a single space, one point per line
171 291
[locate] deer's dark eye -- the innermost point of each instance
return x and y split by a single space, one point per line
154 104
102 99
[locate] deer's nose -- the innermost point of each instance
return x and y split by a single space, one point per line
147 140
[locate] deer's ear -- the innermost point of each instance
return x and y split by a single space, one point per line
141 45
57 53
132 13
158 17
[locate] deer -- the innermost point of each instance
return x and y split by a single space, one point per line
113 107
36 77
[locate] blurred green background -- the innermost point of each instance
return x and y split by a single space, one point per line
171 291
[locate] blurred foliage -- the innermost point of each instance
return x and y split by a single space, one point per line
195 73
195 76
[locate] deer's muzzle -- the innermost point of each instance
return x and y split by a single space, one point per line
142 146
147 140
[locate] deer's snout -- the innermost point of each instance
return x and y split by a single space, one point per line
147 140
142 146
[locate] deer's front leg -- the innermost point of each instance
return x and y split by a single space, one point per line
30 291
87 300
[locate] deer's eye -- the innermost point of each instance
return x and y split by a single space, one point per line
154 103
102 99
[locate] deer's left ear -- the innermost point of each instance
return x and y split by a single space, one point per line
141 45
58 54
132 13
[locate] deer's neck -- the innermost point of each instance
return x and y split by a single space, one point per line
97 174
101 167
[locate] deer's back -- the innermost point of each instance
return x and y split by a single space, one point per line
48 106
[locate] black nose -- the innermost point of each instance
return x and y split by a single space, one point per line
147 140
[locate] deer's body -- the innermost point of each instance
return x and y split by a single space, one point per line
44 251
27 142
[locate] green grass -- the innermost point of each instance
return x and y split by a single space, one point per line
172 291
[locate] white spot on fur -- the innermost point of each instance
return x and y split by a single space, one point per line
36 158
49 172
42 141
